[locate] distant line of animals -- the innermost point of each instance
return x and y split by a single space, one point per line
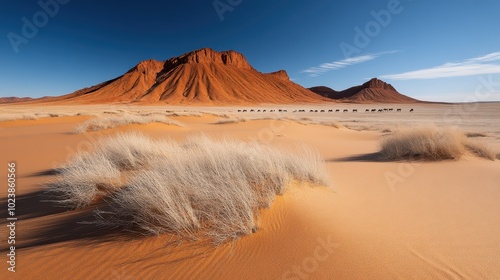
322 111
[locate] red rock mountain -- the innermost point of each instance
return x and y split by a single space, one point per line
200 77
374 90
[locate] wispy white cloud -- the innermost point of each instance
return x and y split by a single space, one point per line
487 64
336 65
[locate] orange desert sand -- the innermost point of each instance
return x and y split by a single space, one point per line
380 219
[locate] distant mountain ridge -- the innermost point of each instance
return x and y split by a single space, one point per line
13 99
208 77
375 90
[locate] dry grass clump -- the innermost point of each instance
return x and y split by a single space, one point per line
184 114
111 113
84 179
433 143
221 115
33 115
199 188
306 119
231 120
89 175
109 122
480 149
333 124
475 134
15 117
53 115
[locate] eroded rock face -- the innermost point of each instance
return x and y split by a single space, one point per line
230 58
203 76
376 83
282 74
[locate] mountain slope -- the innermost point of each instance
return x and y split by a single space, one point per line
324 91
199 77
374 90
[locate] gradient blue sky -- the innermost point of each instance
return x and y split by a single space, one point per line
434 50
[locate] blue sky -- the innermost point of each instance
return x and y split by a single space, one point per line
434 50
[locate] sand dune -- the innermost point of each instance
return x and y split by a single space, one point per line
384 219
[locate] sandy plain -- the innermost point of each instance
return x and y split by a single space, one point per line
380 219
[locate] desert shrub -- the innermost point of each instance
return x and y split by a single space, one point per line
130 151
475 134
184 114
203 187
212 188
108 122
333 124
230 120
85 178
431 142
15 117
215 114
480 149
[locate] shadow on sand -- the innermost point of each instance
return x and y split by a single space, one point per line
378 157
59 224
45 223
45 173
373 157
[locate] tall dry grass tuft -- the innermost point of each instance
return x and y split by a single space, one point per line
130 151
112 121
99 173
480 149
201 188
86 177
433 143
